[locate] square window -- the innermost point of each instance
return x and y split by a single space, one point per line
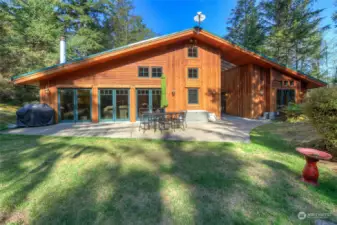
193 73
193 97
192 52
285 83
143 71
157 71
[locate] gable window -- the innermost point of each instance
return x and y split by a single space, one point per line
157 71
193 73
143 71
193 96
193 52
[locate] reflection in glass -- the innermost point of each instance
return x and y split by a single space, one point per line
143 101
83 104
67 104
122 104
106 105
156 99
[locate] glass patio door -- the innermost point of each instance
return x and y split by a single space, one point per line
74 105
114 104
284 97
66 105
148 100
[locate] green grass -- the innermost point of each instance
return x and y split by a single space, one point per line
7 115
65 180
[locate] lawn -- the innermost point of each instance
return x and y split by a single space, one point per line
65 180
7 115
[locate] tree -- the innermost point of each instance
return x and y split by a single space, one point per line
30 32
81 21
245 26
294 35
334 15
123 27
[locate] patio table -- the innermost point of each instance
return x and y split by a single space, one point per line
162 121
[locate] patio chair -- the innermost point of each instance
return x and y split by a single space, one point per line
164 121
145 121
179 120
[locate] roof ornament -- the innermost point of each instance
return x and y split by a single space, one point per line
199 18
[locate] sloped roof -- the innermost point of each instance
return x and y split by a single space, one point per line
217 41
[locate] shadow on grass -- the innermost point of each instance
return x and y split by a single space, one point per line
149 182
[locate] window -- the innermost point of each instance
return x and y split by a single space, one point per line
292 83
284 97
193 97
285 83
143 71
193 73
157 71
192 52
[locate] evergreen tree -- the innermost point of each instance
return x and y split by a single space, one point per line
30 32
123 27
334 15
31 29
245 26
294 35
82 26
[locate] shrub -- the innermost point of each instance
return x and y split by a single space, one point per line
293 112
321 108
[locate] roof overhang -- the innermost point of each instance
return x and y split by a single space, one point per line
230 52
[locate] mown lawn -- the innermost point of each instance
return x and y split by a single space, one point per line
7 115
58 180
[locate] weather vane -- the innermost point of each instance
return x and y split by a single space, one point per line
199 18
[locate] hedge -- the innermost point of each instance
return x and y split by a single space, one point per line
320 106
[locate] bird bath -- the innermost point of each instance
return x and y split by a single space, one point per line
310 172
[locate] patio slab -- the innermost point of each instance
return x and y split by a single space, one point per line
229 129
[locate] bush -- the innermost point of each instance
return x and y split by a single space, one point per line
293 112
321 108
17 94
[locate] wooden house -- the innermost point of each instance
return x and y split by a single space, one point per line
204 72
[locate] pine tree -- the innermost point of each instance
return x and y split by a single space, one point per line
334 15
245 27
29 40
294 36
31 33
123 27
82 26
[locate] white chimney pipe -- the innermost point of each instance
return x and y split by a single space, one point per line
62 50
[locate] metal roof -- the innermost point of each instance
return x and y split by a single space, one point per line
15 77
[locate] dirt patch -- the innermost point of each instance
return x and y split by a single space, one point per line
14 217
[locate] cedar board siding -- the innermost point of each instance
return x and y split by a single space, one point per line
251 90
123 73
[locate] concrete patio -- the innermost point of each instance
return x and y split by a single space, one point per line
229 129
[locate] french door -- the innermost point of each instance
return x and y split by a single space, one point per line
74 105
284 97
148 100
114 105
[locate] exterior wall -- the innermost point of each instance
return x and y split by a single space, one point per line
236 83
251 90
245 88
123 73
275 78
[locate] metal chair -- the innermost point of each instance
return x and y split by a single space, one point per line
179 120
145 121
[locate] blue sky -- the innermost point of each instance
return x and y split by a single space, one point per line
168 16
